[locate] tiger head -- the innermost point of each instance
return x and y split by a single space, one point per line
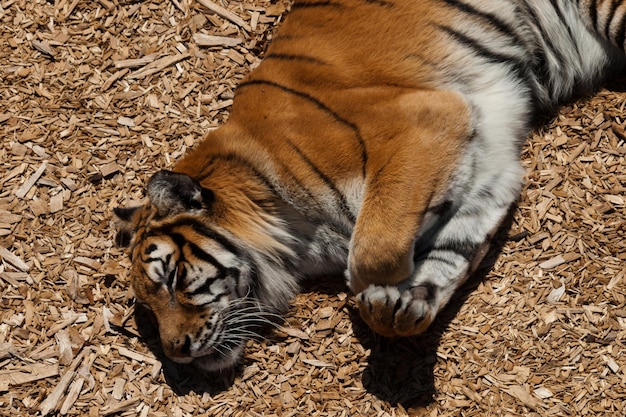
205 286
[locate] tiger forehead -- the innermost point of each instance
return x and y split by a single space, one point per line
155 244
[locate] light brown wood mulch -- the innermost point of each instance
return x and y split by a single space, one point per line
96 96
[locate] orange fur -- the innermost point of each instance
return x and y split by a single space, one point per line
413 133
371 119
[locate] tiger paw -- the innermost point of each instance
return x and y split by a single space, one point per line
392 312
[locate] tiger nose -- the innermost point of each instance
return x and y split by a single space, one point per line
178 349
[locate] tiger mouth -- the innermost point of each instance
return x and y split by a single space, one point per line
217 358
183 360
217 361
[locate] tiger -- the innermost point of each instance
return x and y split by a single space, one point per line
377 140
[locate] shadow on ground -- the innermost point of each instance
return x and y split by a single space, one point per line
401 371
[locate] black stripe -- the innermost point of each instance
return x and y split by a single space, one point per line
183 274
520 68
204 256
491 19
222 271
215 298
314 4
435 258
482 50
320 105
465 249
381 3
205 288
204 230
186 348
151 248
441 208
396 307
547 43
609 17
164 263
301 188
374 178
200 228
290 57
343 204
150 260
556 5
593 13
170 280
621 31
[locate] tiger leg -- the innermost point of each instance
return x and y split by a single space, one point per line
407 165
443 259
398 295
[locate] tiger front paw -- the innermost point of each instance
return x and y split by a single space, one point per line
393 312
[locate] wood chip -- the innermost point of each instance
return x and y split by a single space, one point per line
558 260
43 46
109 169
136 62
28 184
209 40
543 393
318 363
91 263
13 259
158 66
56 203
72 396
520 392
51 402
220 11
294 333
613 366
136 355
119 406
29 373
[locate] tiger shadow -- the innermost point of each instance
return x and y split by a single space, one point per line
401 371
398 371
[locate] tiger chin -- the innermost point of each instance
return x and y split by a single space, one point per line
379 138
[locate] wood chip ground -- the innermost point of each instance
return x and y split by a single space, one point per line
96 96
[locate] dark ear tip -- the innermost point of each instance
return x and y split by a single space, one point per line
125 213
173 192
164 173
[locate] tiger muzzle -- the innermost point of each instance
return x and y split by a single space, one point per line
178 349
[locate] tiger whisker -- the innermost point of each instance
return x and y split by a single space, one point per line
250 321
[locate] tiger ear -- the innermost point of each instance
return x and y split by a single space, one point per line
126 220
172 193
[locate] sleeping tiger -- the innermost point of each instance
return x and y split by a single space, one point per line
379 138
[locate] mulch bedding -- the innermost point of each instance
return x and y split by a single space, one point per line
96 96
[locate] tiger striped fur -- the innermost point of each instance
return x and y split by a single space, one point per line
377 137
